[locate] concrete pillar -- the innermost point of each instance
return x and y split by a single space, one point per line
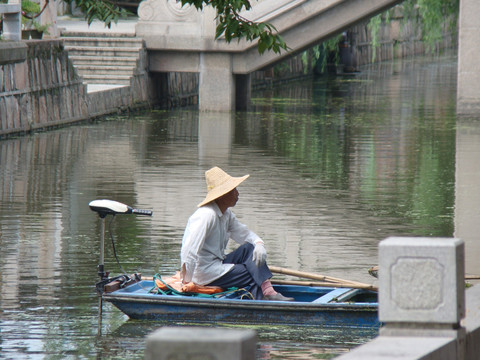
200 343
468 78
11 21
216 82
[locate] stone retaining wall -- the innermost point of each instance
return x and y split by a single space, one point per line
397 38
176 89
39 88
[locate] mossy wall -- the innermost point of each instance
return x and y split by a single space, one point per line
396 37
40 89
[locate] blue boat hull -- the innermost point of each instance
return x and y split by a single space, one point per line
312 307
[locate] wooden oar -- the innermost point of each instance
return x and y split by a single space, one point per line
374 272
324 284
472 277
307 275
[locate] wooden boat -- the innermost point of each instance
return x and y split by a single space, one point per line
336 303
313 306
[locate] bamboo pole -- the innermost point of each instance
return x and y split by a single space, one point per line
307 275
324 284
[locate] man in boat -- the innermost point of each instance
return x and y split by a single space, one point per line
206 236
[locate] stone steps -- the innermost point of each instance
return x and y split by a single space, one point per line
107 79
101 51
102 58
98 39
104 70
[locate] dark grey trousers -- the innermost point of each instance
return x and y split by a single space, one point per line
245 273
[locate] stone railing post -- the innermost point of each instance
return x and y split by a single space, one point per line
421 301
422 286
201 343
12 24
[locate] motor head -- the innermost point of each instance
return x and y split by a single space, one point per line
105 207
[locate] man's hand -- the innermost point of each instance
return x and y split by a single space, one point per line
259 253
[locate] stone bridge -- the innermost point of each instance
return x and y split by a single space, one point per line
181 39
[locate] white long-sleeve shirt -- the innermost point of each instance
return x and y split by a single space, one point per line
204 242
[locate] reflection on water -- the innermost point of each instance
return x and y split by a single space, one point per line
274 342
336 166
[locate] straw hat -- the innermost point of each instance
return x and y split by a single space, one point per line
219 183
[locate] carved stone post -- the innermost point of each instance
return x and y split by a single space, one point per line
167 18
421 301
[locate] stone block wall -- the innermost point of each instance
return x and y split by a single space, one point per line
140 94
39 89
397 38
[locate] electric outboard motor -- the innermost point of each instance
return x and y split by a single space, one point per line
110 207
104 208
107 207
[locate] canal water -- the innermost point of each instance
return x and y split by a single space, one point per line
336 165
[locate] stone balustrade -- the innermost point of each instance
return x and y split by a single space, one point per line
422 303
426 312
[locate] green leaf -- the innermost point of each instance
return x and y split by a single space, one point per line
261 46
